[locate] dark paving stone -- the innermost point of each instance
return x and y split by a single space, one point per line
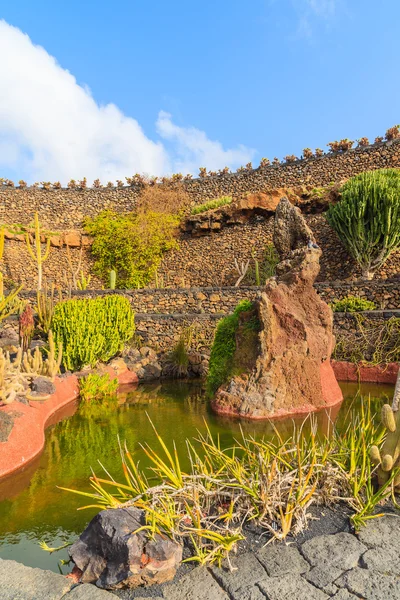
290 588
323 578
382 532
247 572
345 595
383 560
248 593
370 584
342 550
199 584
279 560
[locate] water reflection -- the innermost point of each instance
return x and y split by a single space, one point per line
33 508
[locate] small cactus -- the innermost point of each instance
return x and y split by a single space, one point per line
375 455
389 457
388 418
113 279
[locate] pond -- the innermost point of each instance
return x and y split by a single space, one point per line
32 508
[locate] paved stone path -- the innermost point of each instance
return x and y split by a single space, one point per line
340 566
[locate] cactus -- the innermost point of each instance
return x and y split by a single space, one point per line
388 458
9 304
26 327
47 367
256 267
84 282
15 374
45 306
90 330
367 217
36 252
113 279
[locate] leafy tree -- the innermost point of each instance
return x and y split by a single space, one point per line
131 244
367 218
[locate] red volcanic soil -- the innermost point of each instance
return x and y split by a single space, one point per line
27 438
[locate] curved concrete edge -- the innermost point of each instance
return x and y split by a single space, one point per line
27 438
346 371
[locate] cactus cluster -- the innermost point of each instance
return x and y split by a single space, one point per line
367 217
15 374
388 458
92 330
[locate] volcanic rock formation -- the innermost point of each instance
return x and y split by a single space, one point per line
110 554
292 372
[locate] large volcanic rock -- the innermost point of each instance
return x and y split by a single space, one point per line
292 372
110 554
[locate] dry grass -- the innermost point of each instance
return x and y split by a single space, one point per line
171 199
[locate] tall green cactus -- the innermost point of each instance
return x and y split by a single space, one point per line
388 458
113 279
367 217
36 253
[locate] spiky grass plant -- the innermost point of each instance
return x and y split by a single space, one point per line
95 386
211 205
271 482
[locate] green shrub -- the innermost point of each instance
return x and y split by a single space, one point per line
92 330
223 348
211 204
131 244
367 217
97 387
352 304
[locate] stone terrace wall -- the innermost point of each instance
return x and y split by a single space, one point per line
65 209
161 332
223 300
201 262
209 260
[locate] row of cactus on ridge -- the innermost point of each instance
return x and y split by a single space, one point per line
142 180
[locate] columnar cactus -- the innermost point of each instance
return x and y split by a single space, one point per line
36 252
388 458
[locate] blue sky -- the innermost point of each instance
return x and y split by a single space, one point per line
236 81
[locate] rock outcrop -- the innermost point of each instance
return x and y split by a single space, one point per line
110 554
292 373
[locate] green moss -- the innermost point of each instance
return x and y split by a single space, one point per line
224 347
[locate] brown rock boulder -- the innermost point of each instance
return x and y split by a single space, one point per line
73 239
292 372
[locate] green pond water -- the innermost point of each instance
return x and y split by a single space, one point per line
32 508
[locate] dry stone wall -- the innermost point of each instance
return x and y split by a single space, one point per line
206 261
161 332
223 300
66 208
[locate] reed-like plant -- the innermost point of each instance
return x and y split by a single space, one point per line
272 482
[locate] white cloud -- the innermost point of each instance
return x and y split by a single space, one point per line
51 128
192 148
